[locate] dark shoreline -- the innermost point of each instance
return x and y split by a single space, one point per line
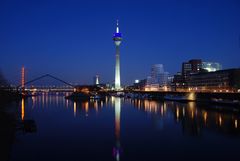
8 120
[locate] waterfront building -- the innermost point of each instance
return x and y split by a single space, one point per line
149 80
140 84
195 71
117 38
178 81
158 76
192 66
156 72
164 79
219 81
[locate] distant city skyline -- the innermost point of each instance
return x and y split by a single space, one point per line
73 39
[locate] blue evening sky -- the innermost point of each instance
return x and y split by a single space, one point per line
73 39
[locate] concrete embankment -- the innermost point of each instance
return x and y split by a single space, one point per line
197 96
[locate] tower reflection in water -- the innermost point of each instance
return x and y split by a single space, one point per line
117 148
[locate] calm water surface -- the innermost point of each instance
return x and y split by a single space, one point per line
124 129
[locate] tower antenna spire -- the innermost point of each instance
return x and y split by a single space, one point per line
117 29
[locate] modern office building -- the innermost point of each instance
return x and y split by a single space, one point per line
192 66
158 79
178 81
221 80
206 76
158 76
117 38
211 66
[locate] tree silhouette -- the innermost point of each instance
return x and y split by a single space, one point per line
3 81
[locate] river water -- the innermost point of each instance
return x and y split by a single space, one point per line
123 129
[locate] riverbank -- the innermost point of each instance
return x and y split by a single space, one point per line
206 97
8 121
7 96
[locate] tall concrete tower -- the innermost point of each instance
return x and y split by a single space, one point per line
117 38
96 80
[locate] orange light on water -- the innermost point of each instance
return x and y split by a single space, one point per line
220 120
23 109
75 108
177 113
205 117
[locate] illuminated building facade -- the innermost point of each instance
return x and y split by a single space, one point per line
219 81
211 66
192 66
205 76
117 38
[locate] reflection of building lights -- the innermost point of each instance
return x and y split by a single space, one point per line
191 105
164 107
67 103
106 99
150 106
192 96
183 112
86 105
205 117
196 112
34 102
46 100
220 120
75 108
43 100
112 100
192 114
177 113
57 100
192 108
96 106
161 110
236 123
23 109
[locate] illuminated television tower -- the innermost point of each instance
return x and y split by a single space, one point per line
117 38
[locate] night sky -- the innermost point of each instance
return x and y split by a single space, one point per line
73 39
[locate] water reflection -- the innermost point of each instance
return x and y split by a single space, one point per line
85 106
66 129
22 109
193 118
75 108
117 148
